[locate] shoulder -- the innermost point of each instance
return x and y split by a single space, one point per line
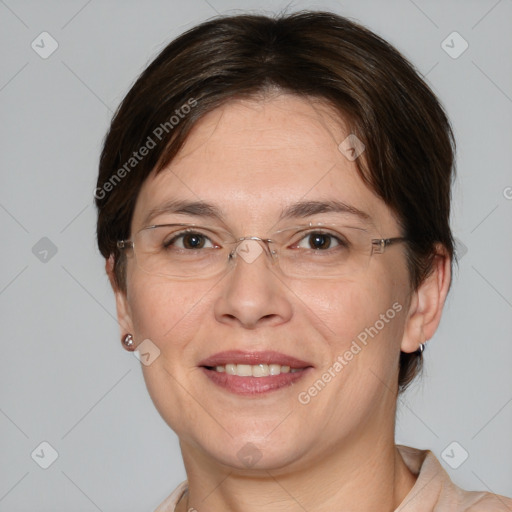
434 490
169 504
490 503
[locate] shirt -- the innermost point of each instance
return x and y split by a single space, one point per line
433 490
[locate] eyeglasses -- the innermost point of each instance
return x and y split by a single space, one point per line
188 251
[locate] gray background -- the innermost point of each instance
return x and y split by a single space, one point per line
64 376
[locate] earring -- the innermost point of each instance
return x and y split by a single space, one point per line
421 348
128 342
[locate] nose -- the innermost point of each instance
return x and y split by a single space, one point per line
253 293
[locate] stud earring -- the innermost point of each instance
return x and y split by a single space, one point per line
421 348
128 342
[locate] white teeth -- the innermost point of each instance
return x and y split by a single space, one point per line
256 370
261 370
244 370
275 369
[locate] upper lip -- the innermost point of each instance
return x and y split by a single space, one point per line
253 358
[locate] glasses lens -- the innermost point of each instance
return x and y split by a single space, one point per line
324 251
180 251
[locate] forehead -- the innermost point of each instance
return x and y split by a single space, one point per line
253 159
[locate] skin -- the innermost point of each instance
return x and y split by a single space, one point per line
251 159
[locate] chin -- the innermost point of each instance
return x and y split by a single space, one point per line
255 451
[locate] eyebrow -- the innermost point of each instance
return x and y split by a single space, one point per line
308 208
182 207
300 209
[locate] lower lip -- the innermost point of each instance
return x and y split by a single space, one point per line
253 385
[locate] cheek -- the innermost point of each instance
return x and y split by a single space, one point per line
343 310
165 312
361 322
170 315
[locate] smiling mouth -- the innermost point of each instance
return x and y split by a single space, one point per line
253 373
253 370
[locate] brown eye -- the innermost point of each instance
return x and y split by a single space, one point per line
318 241
189 241
193 241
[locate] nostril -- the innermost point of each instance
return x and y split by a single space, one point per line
269 318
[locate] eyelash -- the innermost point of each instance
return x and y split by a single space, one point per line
341 242
181 235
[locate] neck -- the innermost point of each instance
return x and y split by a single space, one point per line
353 476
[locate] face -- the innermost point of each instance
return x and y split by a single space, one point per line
252 162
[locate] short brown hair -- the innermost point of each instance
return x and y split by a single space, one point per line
409 156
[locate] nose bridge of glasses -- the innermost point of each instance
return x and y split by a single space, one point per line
249 248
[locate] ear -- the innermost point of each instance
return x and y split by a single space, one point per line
124 317
427 303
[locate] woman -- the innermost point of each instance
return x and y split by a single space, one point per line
274 201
